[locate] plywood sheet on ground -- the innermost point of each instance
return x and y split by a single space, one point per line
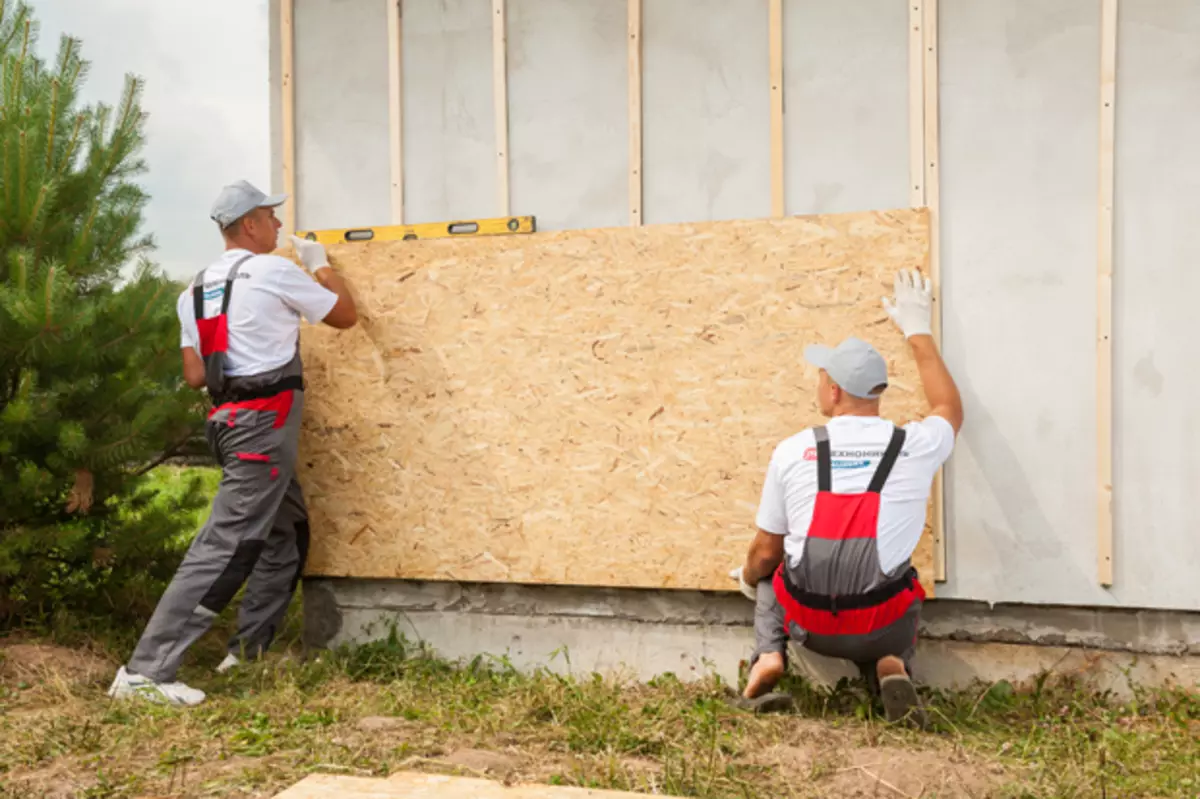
411 785
583 407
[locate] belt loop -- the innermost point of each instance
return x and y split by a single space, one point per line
833 604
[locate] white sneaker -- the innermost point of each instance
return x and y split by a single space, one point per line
228 663
127 686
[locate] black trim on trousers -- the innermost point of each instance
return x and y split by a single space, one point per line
233 576
302 540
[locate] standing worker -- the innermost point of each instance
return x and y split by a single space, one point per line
843 507
240 328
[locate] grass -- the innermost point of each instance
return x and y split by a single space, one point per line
389 706
270 724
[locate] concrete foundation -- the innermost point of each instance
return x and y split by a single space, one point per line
643 634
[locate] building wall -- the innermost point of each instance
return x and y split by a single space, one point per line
1019 133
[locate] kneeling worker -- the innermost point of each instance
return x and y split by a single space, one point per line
240 328
842 509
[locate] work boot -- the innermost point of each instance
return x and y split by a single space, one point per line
128 686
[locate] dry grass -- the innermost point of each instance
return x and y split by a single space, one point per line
383 708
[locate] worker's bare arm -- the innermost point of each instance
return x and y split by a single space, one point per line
940 390
765 555
193 368
312 254
911 308
344 314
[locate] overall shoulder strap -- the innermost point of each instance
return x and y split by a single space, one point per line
888 461
824 459
229 281
198 294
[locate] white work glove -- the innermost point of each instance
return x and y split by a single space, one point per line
311 253
912 307
748 591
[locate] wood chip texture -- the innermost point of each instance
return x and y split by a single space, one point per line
587 407
411 785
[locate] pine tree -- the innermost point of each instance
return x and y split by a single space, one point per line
90 390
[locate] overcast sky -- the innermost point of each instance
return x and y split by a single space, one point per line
207 95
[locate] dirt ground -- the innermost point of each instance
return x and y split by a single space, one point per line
267 727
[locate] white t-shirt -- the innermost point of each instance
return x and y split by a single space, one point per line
270 295
856 444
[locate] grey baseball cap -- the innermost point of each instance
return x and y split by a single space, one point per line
238 199
854 365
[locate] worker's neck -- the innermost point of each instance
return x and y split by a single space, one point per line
235 244
864 410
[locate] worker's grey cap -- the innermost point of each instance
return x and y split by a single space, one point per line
238 199
854 365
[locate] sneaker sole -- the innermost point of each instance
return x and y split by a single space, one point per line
149 693
767 703
900 700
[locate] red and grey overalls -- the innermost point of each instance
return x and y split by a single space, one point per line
837 598
257 532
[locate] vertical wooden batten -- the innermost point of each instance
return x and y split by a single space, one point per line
916 104
287 90
776 66
932 146
395 22
635 112
1104 303
500 97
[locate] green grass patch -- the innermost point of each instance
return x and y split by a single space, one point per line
269 724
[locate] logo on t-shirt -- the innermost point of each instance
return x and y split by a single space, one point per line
850 458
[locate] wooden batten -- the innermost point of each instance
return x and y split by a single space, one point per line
500 99
916 104
287 89
775 29
396 108
932 184
636 193
1104 303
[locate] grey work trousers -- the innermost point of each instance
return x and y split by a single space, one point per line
256 535
898 639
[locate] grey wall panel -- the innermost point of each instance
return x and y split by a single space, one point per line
706 134
568 112
342 159
845 105
449 120
1019 93
1156 469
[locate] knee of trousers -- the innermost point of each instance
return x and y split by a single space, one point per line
232 577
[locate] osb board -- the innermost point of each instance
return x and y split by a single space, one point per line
583 407
410 785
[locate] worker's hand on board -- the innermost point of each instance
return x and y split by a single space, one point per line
311 253
748 591
912 307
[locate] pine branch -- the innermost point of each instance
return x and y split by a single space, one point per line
53 119
72 144
170 452
15 97
36 211
137 322
49 299
22 161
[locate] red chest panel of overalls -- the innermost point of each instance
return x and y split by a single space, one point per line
839 588
214 346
